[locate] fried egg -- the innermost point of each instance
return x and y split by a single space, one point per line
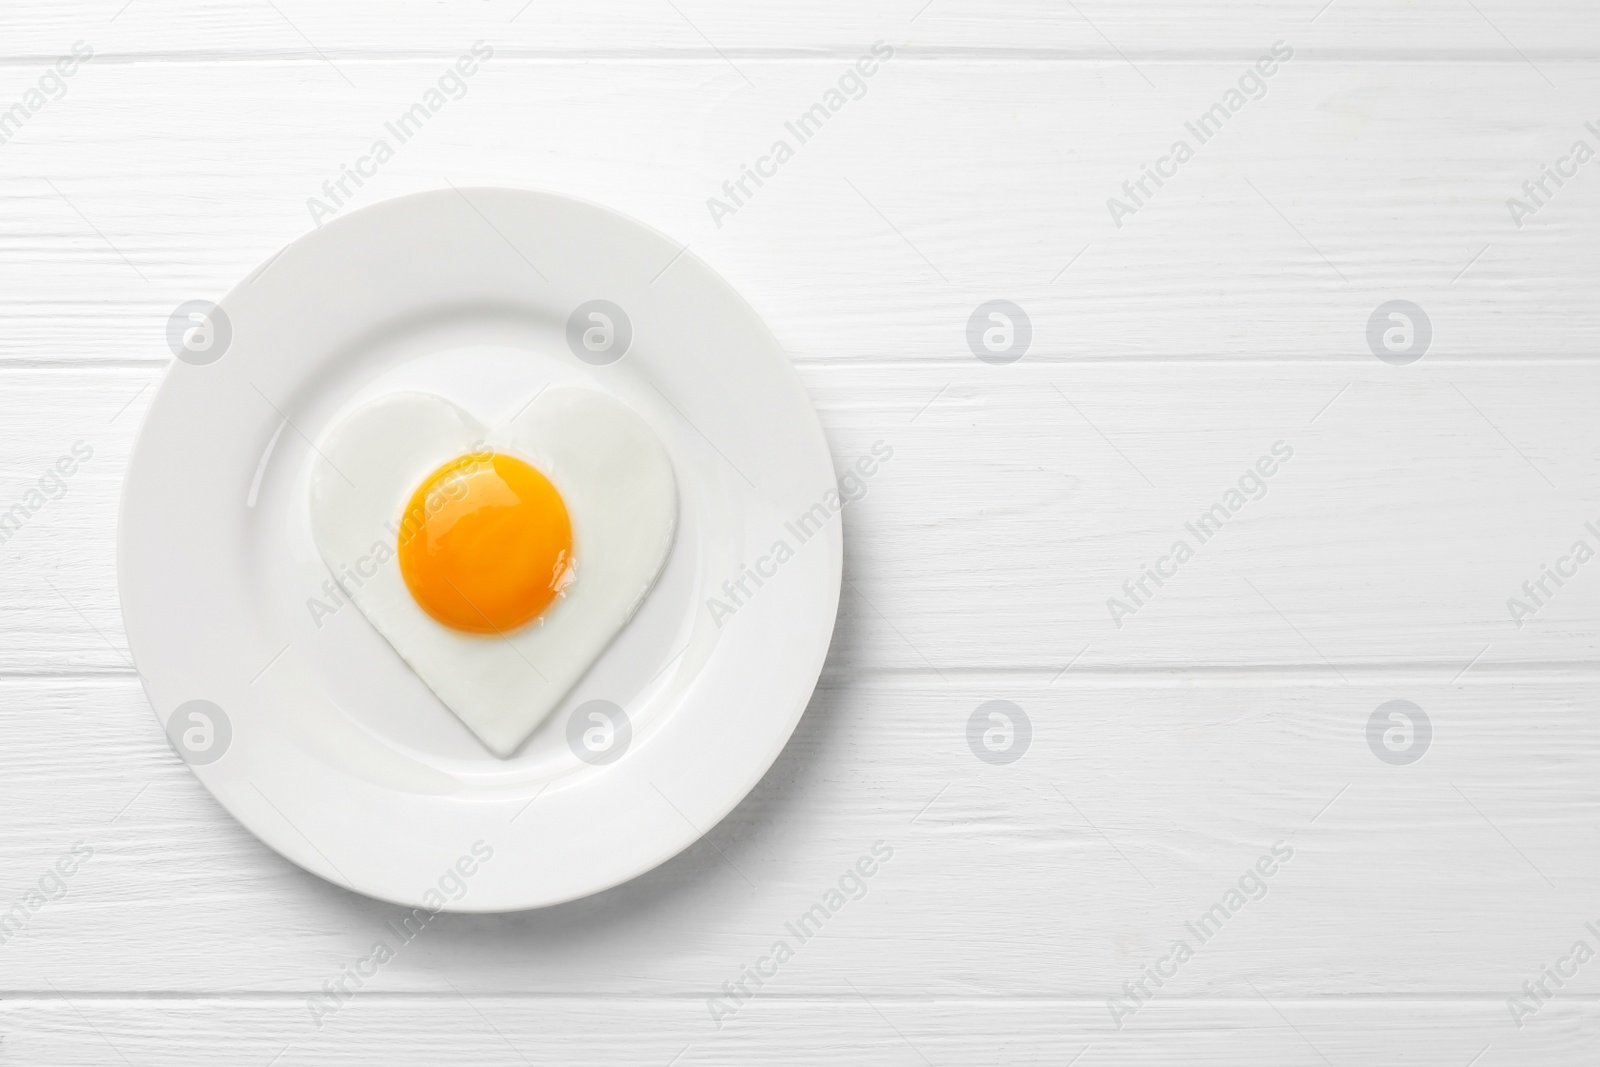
499 562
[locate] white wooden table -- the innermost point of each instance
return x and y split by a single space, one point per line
1228 712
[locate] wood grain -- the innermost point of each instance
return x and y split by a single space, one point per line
1230 711
1136 807
1095 29
1020 500
948 183
869 1029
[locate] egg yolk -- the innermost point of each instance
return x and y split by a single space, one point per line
485 544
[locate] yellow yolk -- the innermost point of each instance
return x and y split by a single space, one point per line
485 544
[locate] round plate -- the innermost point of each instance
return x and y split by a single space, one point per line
303 722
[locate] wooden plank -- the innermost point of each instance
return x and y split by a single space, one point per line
1229 712
870 1029
1020 500
1134 809
949 183
1101 29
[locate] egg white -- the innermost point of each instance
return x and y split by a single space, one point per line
621 497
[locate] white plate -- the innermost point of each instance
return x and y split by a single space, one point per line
321 740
